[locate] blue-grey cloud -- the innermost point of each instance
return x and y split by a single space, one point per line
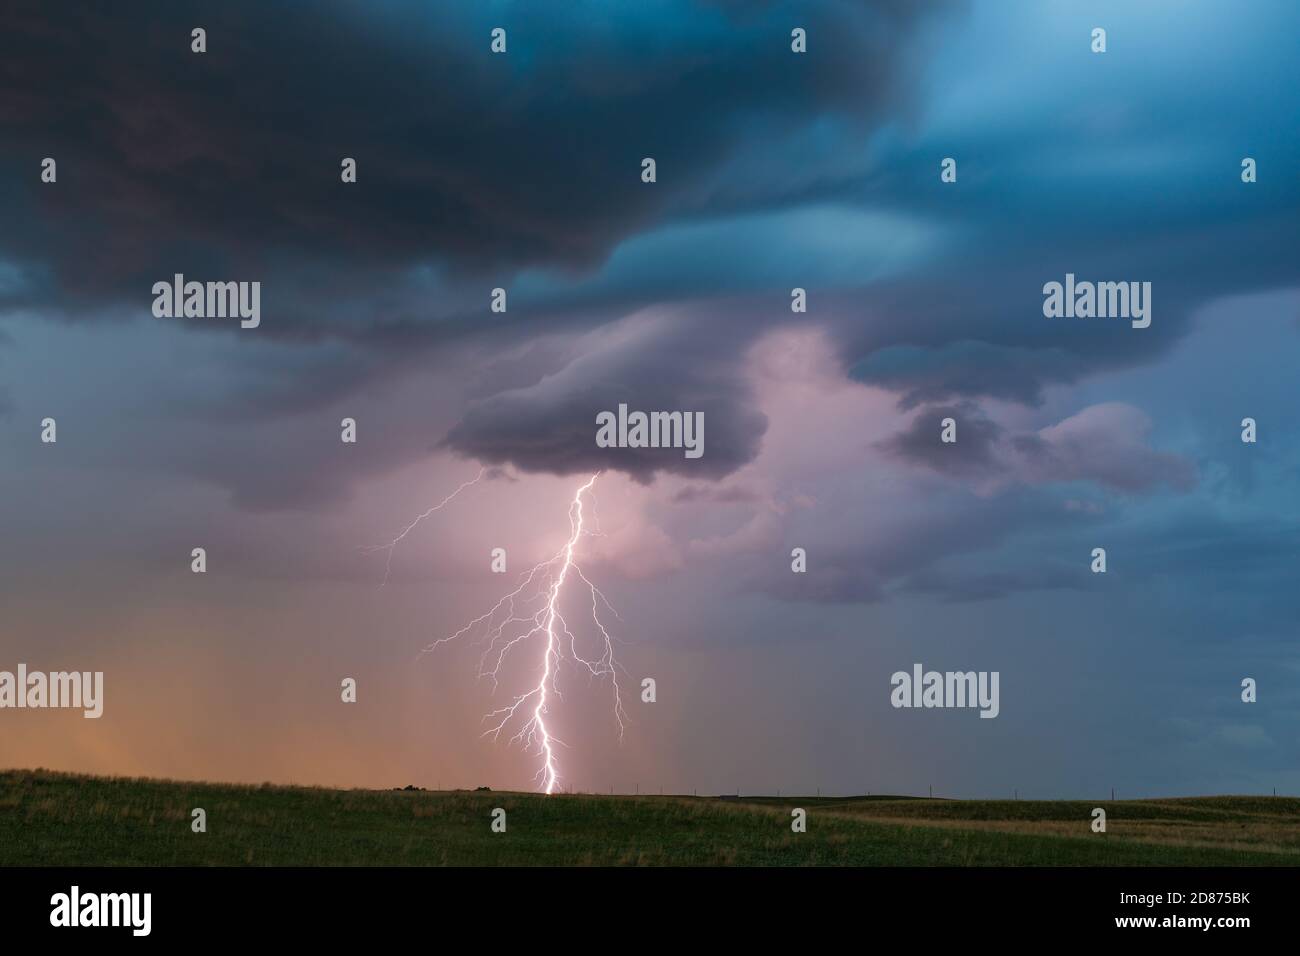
469 163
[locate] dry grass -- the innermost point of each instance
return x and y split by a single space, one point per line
59 819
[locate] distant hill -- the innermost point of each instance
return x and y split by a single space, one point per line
68 820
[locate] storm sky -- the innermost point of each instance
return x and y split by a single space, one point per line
775 170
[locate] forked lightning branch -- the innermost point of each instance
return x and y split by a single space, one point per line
530 622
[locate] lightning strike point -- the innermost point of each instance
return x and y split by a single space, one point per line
545 625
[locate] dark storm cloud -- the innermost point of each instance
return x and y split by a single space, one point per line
657 362
475 168
728 495
1151 191
472 167
984 335
973 453
227 163
1105 444
967 368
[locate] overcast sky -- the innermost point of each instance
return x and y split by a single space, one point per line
774 170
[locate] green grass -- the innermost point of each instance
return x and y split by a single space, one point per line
49 819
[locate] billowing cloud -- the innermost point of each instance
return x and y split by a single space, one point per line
659 362
973 453
1106 444
471 165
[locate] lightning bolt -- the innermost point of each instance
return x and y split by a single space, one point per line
533 612
391 545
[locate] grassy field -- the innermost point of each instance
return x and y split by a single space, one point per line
51 819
